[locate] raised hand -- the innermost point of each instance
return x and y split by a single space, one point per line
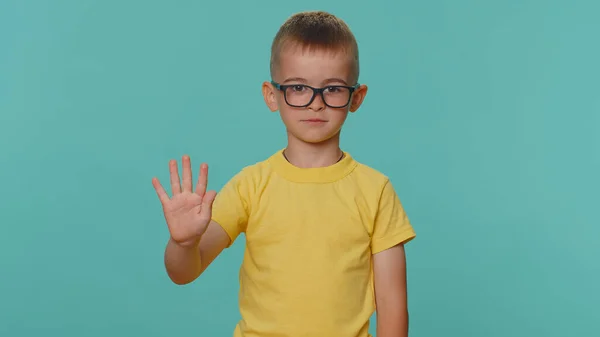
188 212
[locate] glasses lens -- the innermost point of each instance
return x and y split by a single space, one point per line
300 95
336 96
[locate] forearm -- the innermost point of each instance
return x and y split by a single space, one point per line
392 322
183 263
391 293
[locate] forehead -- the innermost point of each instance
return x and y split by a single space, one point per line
316 65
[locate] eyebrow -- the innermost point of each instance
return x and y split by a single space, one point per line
303 80
329 80
295 79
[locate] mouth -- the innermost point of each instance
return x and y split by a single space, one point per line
314 120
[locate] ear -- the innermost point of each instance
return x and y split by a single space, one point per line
268 92
358 97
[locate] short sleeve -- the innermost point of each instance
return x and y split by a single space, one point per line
392 225
231 207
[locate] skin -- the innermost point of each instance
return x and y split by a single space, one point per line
196 241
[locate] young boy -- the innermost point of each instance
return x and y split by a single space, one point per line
325 234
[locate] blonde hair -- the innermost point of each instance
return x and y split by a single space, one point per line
315 30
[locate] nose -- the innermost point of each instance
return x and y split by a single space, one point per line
317 104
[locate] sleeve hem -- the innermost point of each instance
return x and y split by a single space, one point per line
230 232
384 243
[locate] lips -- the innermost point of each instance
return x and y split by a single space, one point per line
315 120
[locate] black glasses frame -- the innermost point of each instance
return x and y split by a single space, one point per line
316 91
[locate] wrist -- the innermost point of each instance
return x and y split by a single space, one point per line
187 244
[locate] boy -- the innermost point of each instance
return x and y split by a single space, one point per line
324 233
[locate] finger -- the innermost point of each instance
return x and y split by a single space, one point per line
187 174
160 191
207 204
202 180
175 187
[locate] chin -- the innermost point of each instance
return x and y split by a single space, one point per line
314 141
314 138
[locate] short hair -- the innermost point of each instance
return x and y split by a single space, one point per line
315 30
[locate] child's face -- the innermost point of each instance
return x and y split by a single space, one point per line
313 122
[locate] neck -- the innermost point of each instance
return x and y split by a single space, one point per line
312 155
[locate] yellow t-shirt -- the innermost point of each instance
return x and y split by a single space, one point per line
310 235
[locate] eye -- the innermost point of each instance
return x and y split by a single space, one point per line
298 88
333 89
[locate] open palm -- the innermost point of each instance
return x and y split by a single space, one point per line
188 212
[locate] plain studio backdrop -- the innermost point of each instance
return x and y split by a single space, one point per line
485 115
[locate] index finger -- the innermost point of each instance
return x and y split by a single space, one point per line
202 180
175 186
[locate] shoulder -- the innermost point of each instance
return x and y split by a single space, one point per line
253 174
368 176
375 184
257 169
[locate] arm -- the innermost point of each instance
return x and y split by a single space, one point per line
196 239
389 268
185 263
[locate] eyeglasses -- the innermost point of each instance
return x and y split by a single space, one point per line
301 95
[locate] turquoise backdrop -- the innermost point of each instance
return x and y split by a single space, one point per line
485 114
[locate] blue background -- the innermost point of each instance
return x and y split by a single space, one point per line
485 114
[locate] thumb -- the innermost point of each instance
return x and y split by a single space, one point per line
207 203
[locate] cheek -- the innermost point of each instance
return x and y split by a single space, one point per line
338 117
288 115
